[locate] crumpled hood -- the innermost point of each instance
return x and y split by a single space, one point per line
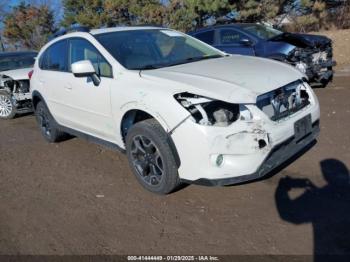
234 79
304 40
17 74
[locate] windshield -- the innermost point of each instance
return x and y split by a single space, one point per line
12 62
155 48
264 32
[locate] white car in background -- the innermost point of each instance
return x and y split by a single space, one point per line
15 97
180 109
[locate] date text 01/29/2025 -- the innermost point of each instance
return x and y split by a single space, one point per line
173 258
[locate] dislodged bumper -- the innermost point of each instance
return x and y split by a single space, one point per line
243 151
279 154
316 63
321 72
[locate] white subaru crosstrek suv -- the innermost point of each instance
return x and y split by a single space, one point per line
180 109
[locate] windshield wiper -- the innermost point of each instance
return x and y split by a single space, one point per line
188 60
277 37
145 67
195 59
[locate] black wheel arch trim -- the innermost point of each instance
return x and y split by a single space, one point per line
174 150
36 95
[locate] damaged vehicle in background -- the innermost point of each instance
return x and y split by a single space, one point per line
182 110
310 54
15 70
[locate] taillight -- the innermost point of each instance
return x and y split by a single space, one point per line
30 74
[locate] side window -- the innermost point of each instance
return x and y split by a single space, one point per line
81 49
229 36
206 37
55 57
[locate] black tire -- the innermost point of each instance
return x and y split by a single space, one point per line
7 108
155 168
47 124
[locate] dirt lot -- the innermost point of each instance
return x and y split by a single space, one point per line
79 198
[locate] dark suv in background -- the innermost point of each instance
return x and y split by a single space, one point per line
311 54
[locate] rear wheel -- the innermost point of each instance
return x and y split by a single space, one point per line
7 108
47 124
151 158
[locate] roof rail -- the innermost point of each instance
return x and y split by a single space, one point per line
71 29
153 25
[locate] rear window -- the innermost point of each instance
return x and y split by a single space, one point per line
13 62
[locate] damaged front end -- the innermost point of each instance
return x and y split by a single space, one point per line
230 143
315 59
317 64
15 97
221 118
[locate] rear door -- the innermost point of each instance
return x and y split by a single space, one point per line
233 41
53 78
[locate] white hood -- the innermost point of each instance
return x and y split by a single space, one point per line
17 74
234 79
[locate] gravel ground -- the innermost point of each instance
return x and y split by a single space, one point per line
79 198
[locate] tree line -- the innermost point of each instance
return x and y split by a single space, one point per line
28 25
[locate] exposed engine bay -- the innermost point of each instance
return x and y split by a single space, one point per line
316 63
284 101
312 56
277 105
18 91
209 112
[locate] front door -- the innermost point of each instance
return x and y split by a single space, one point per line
89 106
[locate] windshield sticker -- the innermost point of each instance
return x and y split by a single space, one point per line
171 33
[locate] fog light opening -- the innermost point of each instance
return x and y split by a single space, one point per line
262 143
219 160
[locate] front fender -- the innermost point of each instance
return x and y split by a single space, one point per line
136 105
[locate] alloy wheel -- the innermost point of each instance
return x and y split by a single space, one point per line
6 106
147 160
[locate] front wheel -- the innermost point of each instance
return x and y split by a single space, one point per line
7 108
151 158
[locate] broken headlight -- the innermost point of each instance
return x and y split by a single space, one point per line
207 111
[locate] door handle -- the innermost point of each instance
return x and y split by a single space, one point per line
68 87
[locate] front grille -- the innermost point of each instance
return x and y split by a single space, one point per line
284 101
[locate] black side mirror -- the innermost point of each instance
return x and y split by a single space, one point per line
85 68
246 42
95 79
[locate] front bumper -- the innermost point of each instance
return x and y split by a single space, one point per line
278 155
247 147
322 72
